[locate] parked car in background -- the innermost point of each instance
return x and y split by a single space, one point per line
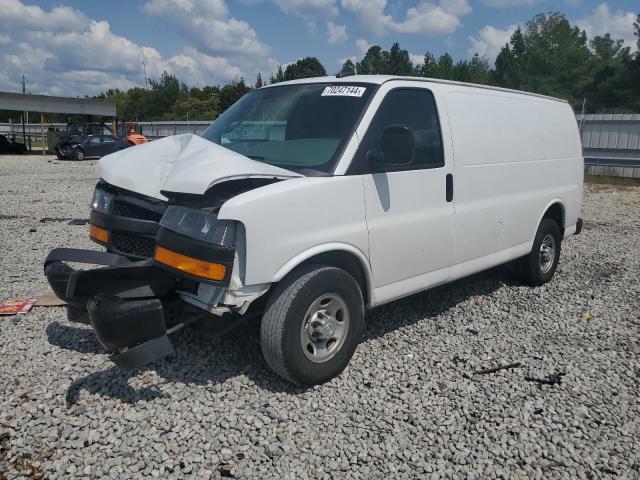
76 133
9 146
79 148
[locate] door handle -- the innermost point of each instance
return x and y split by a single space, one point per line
449 184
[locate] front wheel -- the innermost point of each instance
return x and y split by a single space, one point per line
312 324
80 154
538 267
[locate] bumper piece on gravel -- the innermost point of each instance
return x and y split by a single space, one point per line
134 329
125 302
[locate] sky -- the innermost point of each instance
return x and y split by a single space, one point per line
84 47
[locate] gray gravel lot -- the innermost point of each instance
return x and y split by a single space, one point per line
409 405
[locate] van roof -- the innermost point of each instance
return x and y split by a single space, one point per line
380 79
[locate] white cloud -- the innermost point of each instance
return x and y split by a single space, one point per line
16 15
518 3
619 24
509 3
416 59
326 7
90 58
207 24
336 33
196 68
363 45
341 61
490 41
424 18
302 7
96 48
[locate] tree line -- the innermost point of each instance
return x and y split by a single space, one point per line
548 55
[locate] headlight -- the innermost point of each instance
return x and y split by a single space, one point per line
200 225
101 201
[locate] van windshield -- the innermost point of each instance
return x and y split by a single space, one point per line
303 128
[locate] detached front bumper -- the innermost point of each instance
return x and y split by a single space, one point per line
128 303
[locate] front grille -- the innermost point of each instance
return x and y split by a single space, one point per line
133 245
123 208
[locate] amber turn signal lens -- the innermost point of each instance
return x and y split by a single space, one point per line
99 234
193 266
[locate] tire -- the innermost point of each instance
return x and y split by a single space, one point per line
298 313
80 154
539 266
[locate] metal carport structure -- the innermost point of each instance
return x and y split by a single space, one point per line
23 102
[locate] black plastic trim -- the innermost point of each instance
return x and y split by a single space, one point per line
147 352
578 226
449 187
122 323
124 224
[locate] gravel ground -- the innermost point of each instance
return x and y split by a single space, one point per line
408 406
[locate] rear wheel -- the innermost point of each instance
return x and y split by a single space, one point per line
312 324
539 266
80 154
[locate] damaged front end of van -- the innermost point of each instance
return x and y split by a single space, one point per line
168 258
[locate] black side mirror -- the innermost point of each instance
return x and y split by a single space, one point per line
398 148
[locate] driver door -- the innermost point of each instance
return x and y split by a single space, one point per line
93 147
409 208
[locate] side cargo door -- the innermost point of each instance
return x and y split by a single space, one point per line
408 186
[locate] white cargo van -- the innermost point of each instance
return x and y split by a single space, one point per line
308 202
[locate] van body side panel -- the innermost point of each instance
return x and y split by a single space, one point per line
514 156
284 220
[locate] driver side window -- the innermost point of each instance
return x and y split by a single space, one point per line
413 110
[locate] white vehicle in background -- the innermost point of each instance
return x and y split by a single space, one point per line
310 201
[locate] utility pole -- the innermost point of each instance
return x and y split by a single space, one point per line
144 66
584 104
24 134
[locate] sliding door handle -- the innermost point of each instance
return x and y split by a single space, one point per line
449 183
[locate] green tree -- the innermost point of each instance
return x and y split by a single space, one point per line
232 92
550 56
259 83
348 68
304 68
164 93
279 76
397 61
445 67
372 63
429 67
609 89
475 70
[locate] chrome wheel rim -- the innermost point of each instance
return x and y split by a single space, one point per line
547 253
80 155
324 328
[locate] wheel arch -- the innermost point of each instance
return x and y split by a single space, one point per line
555 210
344 256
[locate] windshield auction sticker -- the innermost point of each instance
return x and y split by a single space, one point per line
344 91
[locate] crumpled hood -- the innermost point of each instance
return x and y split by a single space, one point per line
180 163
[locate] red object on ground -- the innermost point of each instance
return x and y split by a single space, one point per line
16 307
